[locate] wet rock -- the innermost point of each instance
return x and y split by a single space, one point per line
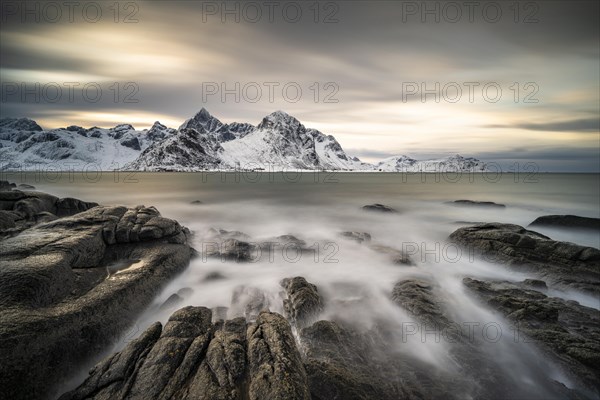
69 206
289 240
27 207
417 297
359 237
379 208
276 369
342 363
569 332
472 203
535 284
477 371
60 304
303 303
561 264
222 234
192 358
567 222
232 250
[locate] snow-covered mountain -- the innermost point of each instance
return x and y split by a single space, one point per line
456 163
280 140
204 122
25 146
202 142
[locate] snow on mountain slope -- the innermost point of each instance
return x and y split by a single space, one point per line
203 121
279 141
202 142
25 146
456 163
332 156
186 150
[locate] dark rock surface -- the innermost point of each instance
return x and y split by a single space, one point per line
379 208
303 303
192 358
356 236
473 203
478 371
70 287
569 332
199 354
561 264
566 222
27 209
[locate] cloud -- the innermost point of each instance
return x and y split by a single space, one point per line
588 125
369 53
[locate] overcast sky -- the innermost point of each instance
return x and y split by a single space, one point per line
360 65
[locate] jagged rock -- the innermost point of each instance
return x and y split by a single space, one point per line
344 364
568 331
23 124
561 264
232 249
473 203
61 303
416 296
283 242
379 208
303 304
191 358
478 372
566 222
356 236
222 234
276 369
27 209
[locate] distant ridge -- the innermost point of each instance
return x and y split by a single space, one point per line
202 142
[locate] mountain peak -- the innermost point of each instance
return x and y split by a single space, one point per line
279 120
22 124
202 121
203 114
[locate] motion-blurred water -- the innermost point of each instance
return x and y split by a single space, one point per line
355 281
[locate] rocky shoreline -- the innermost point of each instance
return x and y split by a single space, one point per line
75 275
69 287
